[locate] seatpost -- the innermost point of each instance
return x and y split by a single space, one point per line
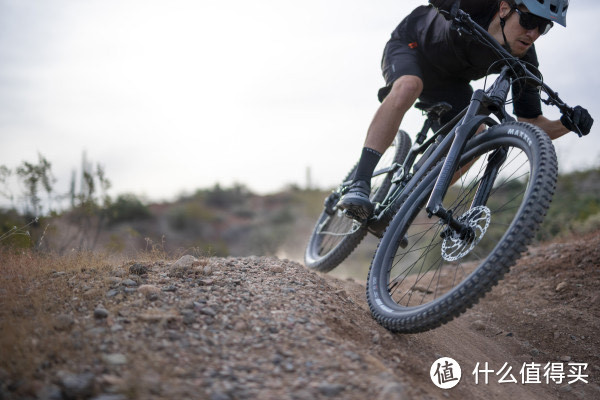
423 134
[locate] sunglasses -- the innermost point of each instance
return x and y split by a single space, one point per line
531 21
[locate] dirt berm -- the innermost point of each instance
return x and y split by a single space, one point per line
265 328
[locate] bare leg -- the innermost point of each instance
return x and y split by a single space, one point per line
380 136
388 117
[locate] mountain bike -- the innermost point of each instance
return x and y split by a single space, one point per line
455 210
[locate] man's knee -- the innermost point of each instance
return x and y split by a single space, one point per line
410 84
406 90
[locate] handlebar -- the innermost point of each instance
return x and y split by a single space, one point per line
462 22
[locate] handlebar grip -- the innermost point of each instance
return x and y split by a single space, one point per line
567 114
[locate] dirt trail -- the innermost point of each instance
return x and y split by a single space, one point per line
265 328
545 310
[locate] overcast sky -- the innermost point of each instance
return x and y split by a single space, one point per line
171 96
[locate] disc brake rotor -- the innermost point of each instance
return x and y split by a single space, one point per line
478 219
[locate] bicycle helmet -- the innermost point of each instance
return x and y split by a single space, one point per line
553 10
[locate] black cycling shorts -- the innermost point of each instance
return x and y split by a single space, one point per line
401 57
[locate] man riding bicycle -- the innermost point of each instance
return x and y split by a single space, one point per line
427 60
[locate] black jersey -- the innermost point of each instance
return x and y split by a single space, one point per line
456 58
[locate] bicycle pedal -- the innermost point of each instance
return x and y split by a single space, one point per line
355 216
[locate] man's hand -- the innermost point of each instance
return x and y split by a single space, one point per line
445 7
579 121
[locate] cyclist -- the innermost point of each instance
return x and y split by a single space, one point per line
425 59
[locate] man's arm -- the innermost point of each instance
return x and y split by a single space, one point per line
554 129
578 120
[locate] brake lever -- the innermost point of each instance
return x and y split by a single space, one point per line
554 100
578 131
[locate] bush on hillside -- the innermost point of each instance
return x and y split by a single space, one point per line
127 207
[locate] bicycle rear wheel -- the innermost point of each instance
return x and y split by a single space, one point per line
440 274
335 235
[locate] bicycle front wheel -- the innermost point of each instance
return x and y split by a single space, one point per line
335 235
424 273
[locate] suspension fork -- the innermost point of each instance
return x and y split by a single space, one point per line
495 161
466 130
491 100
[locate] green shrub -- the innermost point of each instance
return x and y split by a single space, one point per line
190 215
127 207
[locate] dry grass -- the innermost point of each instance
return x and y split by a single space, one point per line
47 304
38 294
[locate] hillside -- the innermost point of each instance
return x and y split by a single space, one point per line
83 327
233 221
